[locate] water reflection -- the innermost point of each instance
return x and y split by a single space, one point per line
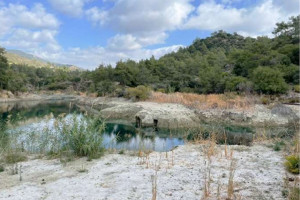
120 136
30 123
26 119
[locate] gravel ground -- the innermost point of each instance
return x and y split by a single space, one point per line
259 174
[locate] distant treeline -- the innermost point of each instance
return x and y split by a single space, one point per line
220 63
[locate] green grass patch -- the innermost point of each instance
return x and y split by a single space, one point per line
292 164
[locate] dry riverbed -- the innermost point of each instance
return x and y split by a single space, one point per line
181 174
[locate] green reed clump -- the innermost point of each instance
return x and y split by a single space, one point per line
278 146
292 164
81 135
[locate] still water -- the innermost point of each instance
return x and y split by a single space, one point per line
28 117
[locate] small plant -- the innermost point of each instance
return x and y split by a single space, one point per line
154 186
265 100
278 145
285 193
82 169
121 151
294 193
230 189
14 157
297 88
2 169
292 164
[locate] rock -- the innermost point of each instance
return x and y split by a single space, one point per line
169 115
291 179
284 111
153 114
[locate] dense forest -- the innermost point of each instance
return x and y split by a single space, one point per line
220 63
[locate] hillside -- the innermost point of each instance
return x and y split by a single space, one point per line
22 58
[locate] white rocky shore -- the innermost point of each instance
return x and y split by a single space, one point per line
170 115
259 174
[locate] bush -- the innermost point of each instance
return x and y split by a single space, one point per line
2 169
162 90
278 145
57 86
139 93
234 83
269 81
294 193
292 164
265 100
14 157
297 88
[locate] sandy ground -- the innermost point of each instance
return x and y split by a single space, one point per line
181 173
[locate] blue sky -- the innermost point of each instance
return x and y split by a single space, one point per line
87 33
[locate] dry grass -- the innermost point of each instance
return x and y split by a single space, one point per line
230 189
154 186
223 101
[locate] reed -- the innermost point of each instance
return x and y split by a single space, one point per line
230 189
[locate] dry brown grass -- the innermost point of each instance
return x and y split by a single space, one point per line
201 101
230 189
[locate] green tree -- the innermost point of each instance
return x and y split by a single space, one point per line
268 81
3 68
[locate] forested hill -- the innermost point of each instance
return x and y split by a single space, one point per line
219 63
222 62
21 58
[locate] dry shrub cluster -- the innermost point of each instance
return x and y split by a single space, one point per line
201 101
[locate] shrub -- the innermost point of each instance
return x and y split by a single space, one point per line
278 145
57 86
265 100
269 81
162 90
297 88
14 157
2 168
294 193
292 164
235 83
139 93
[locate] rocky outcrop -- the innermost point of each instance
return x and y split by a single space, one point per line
169 115
7 96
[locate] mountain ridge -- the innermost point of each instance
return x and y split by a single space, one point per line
15 56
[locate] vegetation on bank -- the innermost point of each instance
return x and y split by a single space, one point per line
67 137
220 63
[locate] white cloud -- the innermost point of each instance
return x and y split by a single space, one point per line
31 40
288 6
212 16
15 15
252 21
96 16
141 22
90 58
28 29
130 42
123 42
72 8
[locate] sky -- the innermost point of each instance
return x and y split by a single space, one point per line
87 33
